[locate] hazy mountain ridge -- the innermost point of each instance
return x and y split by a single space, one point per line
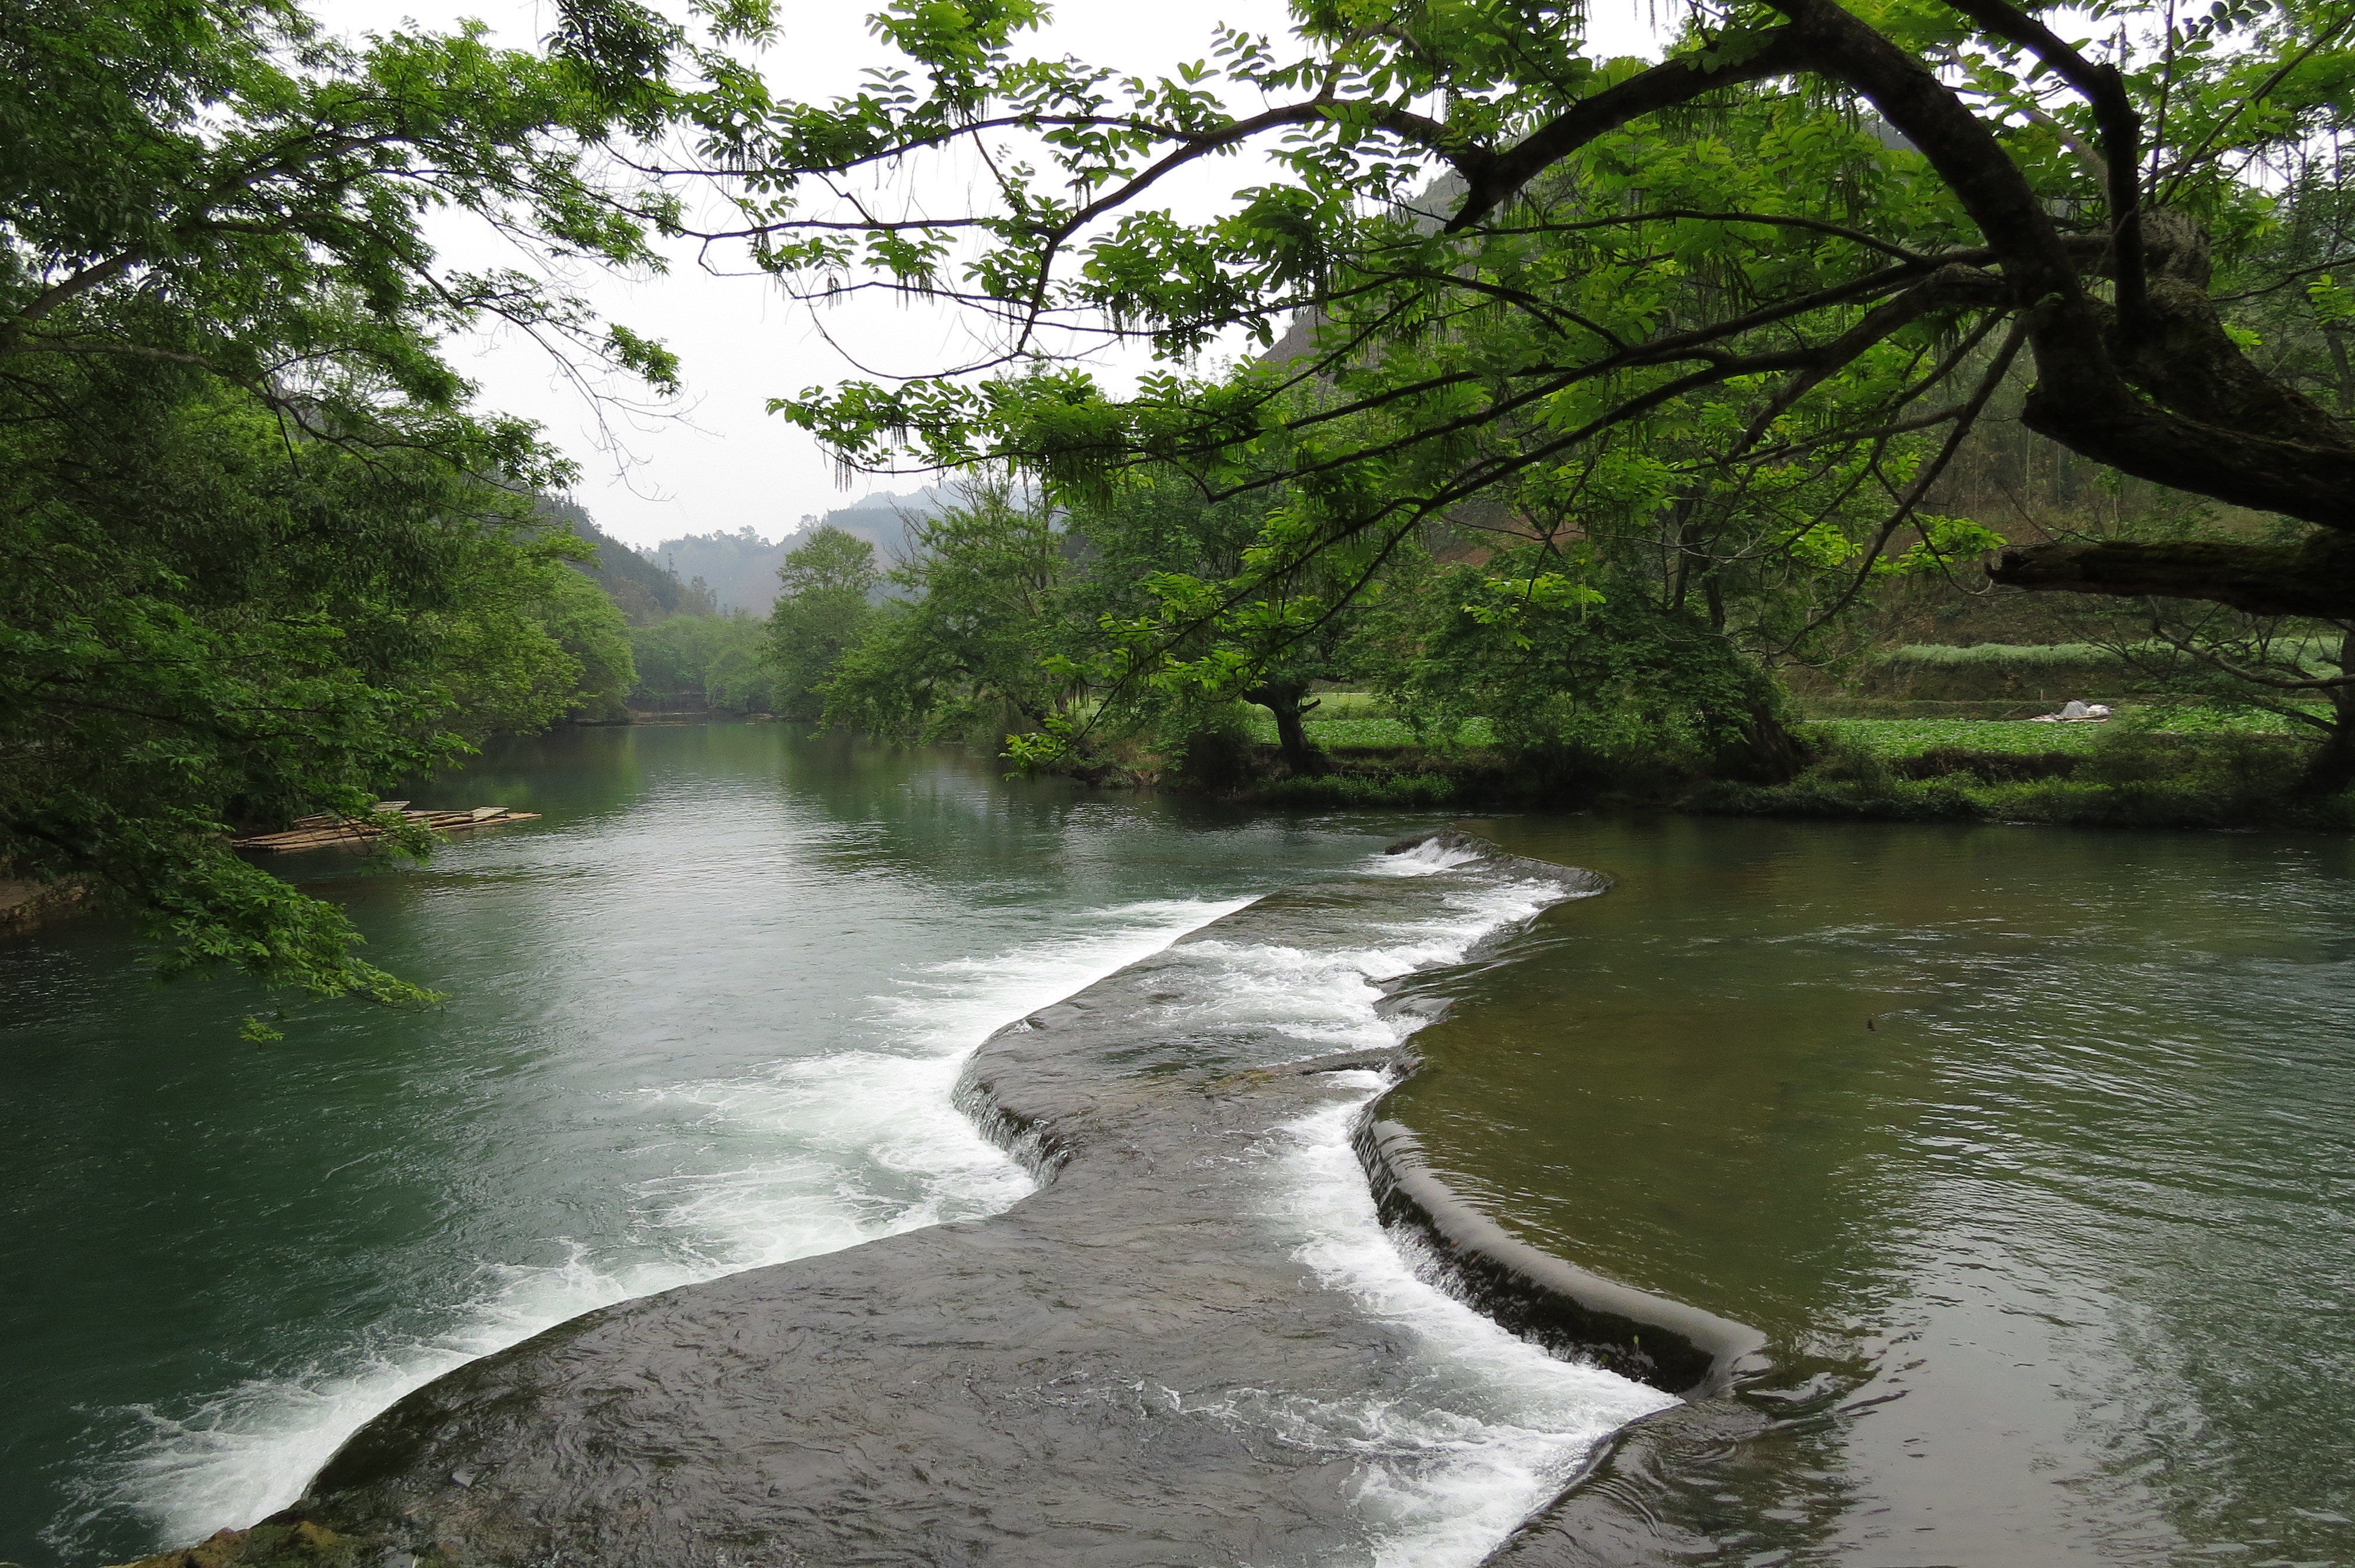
643 591
740 569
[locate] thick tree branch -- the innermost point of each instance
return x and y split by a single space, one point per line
2121 128
2313 577
1490 179
2080 398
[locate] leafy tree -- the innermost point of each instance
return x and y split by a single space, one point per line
1580 684
968 643
1154 599
264 560
714 659
217 631
588 627
819 616
1810 246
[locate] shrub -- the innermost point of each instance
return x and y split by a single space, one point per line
1341 790
1988 767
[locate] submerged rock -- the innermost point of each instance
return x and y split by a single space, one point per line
286 1541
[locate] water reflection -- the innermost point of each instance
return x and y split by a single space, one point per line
2032 1150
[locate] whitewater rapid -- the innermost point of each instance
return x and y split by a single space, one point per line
813 1154
817 1153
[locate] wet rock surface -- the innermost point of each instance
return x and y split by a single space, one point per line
1135 1365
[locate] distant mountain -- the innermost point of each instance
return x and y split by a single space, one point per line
740 569
645 593
882 519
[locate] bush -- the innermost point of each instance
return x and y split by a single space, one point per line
2128 778
1988 767
1345 790
1211 751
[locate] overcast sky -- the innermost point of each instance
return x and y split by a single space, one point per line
722 463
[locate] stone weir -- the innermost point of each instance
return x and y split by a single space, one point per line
1140 1363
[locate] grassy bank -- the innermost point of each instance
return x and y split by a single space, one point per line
2151 766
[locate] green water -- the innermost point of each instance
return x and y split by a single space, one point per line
704 1015
2056 1257
2033 1152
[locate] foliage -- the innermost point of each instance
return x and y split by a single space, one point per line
264 560
645 593
716 661
2124 778
962 647
1401 790
216 630
1721 321
823 612
1578 680
1175 615
588 627
1367 734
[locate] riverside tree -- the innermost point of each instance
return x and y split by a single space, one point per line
1148 621
1814 236
965 641
263 557
828 580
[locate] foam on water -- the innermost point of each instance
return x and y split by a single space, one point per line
1492 1428
1433 855
1329 999
829 1150
1488 1427
819 1153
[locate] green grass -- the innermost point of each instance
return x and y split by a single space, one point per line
1356 721
2068 655
1911 737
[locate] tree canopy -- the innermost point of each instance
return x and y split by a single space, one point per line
1801 254
1614 374
265 557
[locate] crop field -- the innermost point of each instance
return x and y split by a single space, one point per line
1910 737
1353 721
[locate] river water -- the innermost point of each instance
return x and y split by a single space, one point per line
2070 1220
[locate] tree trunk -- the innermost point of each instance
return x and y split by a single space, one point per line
1282 698
2332 768
1772 753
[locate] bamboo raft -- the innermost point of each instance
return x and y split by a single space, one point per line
325 828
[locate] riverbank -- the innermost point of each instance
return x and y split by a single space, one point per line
24 905
2148 769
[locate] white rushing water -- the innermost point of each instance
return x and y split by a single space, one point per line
1495 1427
816 1153
831 1149
1490 1427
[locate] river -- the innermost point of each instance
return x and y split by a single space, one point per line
2029 1152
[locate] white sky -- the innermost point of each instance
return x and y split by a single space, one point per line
720 461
